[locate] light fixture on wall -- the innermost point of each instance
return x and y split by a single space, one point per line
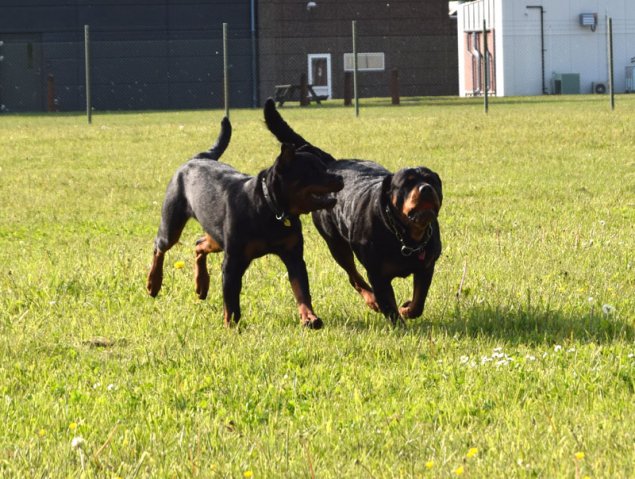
589 20
311 5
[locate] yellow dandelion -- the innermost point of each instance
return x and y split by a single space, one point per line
41 433
72 426
429 464
179 264
248 474
459 471
472 452
579 456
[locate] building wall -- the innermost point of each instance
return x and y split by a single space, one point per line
418 38
569 47
146 54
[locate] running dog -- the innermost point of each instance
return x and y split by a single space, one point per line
246 217
389 221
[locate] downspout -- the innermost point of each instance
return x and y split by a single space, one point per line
542 44
254 52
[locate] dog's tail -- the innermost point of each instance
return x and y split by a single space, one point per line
285 134
216 151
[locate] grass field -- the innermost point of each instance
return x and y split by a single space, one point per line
529 371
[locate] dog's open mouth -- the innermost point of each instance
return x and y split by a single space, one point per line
323 200
324 196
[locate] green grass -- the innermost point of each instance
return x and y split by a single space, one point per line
532 363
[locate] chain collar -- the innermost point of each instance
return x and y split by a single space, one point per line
405 249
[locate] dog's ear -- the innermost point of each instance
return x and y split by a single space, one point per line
287 155
386 187
438 186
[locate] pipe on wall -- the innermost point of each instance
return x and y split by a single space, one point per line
542 43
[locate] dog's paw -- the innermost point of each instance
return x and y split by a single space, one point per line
312 323
153 286
370 300
407 311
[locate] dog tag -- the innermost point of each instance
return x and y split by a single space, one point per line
287 222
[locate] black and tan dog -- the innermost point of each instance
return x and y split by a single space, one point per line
246 217
389 221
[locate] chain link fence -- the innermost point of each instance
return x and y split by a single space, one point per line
295 44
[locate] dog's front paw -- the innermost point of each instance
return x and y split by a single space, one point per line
407 311
153 284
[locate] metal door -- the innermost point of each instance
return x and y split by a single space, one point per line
21 82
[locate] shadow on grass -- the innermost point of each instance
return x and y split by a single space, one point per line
514 326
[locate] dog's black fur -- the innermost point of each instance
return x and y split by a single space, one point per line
246 217
389 221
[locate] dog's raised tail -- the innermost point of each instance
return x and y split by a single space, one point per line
217 150
285 134
280 129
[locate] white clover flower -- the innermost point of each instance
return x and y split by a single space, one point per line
464 359
571 350
97 385
545 354
498 349
557 348
591 300
111 387
607 309
631 355
485 359
78 442
530 357
602 222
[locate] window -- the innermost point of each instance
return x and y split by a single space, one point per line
370 62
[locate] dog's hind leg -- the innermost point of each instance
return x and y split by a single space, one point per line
204 246
173 219
343 255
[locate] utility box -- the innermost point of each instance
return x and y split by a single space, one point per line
630 72
566 83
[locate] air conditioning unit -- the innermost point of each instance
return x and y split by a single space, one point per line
565 83
589 20
599 87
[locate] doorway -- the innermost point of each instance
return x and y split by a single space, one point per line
21 83
319 74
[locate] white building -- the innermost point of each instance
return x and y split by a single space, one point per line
545 46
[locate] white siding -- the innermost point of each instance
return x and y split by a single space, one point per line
569 47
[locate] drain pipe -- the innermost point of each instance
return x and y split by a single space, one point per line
542 43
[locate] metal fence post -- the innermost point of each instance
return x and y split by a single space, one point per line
485 69
355 94
225 72
610 55
89 106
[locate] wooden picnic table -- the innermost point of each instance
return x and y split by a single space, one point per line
290 92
